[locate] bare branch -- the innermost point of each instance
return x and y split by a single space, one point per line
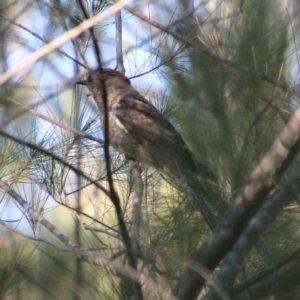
36 216
71 34
137 289
44 40
230 266
40 240
55 157
96 260
260 276
136 209
200 46
248 201
120 61
61 125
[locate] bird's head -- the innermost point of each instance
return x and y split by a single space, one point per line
116 85
108 76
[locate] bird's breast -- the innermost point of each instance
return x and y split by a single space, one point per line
120 139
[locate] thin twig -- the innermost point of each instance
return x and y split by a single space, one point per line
55 157
230 266
36 216
43 39
200 46
61 125
137 289
136 206
119 52
96 260
102 231
258 277
247 202
79 213
76 48
65 37
40 240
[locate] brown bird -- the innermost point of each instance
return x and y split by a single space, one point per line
137 129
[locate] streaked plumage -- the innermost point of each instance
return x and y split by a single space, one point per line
141 132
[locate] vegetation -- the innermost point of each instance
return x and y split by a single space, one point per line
226 74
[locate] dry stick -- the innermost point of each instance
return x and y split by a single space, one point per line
42 39
230 266
102 231
113 194
257 278
37 217
40 240
120 61
254 192
79 213
200 46
78 268
65 37
136 207
117 203
76 48
247 202
61 125
55 157
135 172
96 260
10 118
26 236
17 15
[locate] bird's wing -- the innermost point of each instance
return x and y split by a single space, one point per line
143 122
164 147
141 119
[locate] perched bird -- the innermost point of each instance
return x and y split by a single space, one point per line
137 129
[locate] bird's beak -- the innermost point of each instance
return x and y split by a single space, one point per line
82 82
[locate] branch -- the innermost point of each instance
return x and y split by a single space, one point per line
43 39
8 119
96 260
79 213
55 157
136 207
260 276
265 216
37 217
40 240
200 46
65 37
137 289
247 202
61 125
120 61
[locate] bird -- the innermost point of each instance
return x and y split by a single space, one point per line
138 130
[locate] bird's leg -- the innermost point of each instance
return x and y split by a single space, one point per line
138 191
133 164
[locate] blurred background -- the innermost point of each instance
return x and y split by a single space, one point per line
229 115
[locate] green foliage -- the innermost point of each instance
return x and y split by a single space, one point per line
228 118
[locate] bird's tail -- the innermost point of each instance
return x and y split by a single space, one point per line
199 190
